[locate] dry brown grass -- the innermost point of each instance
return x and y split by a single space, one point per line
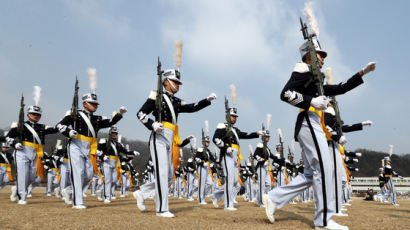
43 212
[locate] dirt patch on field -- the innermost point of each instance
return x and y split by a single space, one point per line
43 212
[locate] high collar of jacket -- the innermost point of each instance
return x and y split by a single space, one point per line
301 67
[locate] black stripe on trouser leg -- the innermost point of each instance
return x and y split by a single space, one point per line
17 176
200 184
334 162
157 171
321 170
260 184
71 173
226 182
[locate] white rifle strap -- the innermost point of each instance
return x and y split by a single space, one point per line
236 135
5 158
171 108
114 148
88 122
32 131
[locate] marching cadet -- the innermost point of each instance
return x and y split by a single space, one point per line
262 167
190 171
382 193
127 170
64 163
203 158
162 138
83 128
229 150
389 173
280 164
29 149
51 164
302 92
6 159
111 149
178 183
334 131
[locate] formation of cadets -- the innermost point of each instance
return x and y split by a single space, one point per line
267 178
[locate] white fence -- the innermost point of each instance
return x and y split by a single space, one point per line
361 184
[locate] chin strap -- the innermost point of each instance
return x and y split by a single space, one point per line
172 85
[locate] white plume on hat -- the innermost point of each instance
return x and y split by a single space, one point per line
280 133
92 74
390 150
233 95
310 16
329 75
206 127
119 138
268 120
36 95
250 149
178 53
292 146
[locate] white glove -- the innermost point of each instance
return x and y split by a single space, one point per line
355 160
211 165
261 132
62 159
136 153
123 110
320 103
45 167
158 127
371 66
105 158
276 165
368 122
72 133
56 157
18 146
358 154
266 163
99 153
219 142
229 150
211 97
342 140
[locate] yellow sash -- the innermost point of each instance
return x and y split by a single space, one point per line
93 150
117 167
58 173
322 121
286 176
184 181
342 152
40 154
130 177
176 142
237 147
210 171
8 166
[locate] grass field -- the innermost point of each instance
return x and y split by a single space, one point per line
43 212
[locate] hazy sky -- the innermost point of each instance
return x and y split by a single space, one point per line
251 44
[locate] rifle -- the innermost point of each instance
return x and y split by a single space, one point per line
317 76
74 107
20 124
158 101
280 143
109 139
229 133
339 123
205 149
265 148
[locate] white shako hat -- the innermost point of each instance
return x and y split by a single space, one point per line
172 74
34 109
304 49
